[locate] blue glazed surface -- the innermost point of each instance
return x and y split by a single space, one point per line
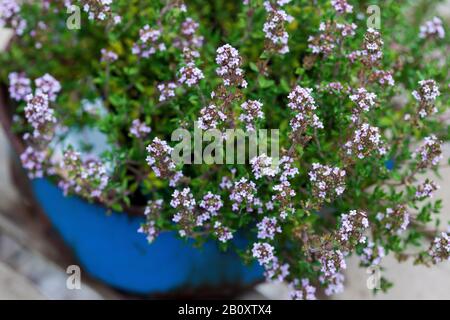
109 248
390 164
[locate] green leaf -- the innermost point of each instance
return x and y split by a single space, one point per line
265 83
253 66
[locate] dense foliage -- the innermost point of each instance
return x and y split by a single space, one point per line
360 109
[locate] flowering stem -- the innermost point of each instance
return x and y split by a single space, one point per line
316 139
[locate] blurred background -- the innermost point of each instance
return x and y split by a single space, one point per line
33 260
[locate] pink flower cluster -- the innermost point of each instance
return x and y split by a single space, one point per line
440 248
283 190
432 29
352 227
276 271
159 158
372 254
189 27
226 183
211 204
19 86
184 202
301 99
150 230
229 69
189 55
33 161
188 38
263 252
332 262
251 112
425 190
189 42
384 77
274 27
149 42
48 85
346 30
39 115
108 56
183 199
341 6
152 211
86 177
10 16
333 87
263 166
180 5
429 153
302 290
304 105
166 90
40 28
190 74
334 284
365 141
286 168
283 197
99 10
139 129
372 48
243 192
189 215
395 220
210 117
331 34
426 95
268 228
222 233
364 100
327 182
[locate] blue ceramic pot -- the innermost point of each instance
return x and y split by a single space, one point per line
109 249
